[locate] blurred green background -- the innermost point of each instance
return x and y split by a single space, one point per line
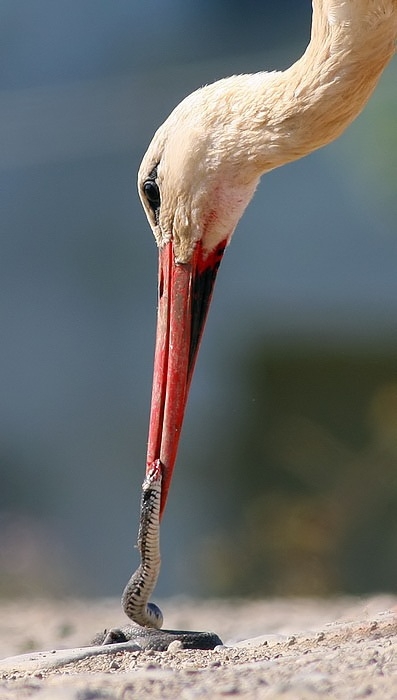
286 481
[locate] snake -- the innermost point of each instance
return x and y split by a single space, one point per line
136 594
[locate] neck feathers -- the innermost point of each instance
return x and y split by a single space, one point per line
320 95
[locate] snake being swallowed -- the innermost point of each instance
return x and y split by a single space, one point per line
147 617
141 585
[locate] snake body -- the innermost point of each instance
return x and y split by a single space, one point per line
142 583
145 633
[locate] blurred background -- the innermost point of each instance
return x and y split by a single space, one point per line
286 481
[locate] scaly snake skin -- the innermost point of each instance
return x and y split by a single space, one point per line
141 584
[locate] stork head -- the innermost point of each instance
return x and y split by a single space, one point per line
197 176
194 182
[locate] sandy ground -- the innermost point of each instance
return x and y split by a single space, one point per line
292 650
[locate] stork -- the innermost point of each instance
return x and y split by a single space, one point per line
197 177
203 166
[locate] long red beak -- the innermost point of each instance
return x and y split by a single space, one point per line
184 295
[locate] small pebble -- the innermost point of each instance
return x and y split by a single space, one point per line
231 689
152 666
363 692
175 645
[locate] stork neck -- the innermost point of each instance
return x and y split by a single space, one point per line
319 95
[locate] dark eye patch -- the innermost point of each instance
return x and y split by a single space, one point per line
152 194
151 191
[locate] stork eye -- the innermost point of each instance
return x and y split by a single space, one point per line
152 194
